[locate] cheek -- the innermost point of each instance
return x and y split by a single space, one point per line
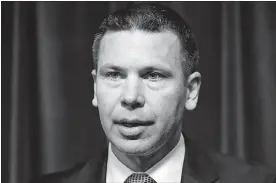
167 108
168 99
107 99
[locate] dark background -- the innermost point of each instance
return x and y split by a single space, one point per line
49 124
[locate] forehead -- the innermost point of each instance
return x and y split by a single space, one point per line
134 45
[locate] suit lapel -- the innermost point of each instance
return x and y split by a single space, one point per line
93 171
198 166
102 167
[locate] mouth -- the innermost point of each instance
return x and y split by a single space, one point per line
132 129
133 123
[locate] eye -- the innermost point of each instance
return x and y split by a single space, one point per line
114 75
154 76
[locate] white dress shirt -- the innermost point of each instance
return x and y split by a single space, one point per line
167 170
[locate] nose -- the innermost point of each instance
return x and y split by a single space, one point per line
132 94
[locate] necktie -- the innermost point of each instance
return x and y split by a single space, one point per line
139 178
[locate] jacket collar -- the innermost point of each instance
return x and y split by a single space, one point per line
93 171
199 164
198 167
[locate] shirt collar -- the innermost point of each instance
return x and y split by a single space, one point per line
168 169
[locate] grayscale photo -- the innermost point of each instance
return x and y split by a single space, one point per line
138 92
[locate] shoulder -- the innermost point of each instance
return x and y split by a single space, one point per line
205 163
83 172
232 168
61 176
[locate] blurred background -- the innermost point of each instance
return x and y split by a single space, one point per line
49 124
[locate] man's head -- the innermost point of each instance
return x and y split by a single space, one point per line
144 77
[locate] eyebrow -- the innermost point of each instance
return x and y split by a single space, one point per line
151 67
157 68
112 66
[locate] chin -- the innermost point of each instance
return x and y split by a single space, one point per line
135 147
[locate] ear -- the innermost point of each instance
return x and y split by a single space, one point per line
94 101
193 87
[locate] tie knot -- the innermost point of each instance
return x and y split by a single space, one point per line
139 178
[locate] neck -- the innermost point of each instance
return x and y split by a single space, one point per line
141 163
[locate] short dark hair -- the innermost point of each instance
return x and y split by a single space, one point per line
151 17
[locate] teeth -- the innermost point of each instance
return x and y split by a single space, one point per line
130 124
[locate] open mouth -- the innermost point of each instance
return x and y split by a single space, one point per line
133 123
132 129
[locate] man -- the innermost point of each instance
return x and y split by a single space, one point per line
145 79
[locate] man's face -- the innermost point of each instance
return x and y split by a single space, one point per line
140 90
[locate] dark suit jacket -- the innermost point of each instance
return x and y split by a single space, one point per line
200 166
